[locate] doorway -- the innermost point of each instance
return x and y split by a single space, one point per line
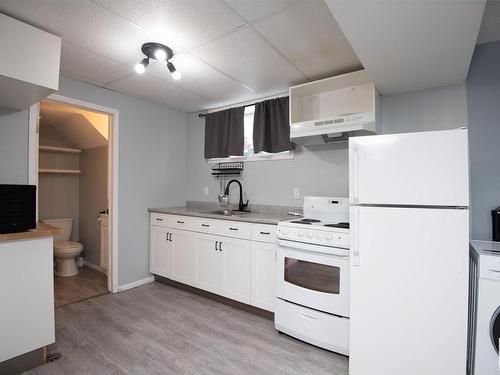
73 162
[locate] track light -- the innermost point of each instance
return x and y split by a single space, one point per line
141 67
175 73
158 52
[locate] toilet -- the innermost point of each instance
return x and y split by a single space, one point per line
65 251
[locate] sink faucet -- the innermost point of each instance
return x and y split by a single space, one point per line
241 205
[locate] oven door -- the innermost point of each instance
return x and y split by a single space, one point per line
311 276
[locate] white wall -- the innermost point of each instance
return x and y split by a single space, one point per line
323 170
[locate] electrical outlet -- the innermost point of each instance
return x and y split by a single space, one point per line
205 190
296 193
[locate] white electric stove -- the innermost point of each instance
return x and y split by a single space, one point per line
312 274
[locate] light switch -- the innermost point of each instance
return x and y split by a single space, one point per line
205 190
296 193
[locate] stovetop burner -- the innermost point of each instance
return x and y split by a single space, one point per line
338 225
306 221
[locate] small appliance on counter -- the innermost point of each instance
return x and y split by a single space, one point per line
17 208
495 220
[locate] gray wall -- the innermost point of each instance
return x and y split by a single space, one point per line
14 147
92 199
323 170
483 100
152 167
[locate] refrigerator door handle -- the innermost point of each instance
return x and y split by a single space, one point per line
355 237
355 173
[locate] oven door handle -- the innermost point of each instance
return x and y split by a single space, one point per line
326 250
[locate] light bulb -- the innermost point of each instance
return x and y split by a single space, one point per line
160 54
176 75
141 67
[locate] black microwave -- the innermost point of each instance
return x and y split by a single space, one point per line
17 208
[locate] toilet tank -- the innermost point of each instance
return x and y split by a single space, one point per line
65 224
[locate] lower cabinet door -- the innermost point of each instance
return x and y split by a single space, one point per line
183 256
263 275
161 252
207 263
235 268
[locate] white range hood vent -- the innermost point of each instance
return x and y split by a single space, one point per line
333 109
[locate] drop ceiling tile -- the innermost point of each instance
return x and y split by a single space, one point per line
252 10
181 23
158 91
246 56
308 35
201 78
89 67
83 23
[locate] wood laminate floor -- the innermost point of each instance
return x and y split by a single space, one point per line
158 329
87 284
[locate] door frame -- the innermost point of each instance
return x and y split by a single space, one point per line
34 115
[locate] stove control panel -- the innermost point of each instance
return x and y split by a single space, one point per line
314 236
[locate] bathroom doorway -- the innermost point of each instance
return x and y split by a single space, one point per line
75 172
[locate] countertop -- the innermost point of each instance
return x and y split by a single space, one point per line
263 216
42 230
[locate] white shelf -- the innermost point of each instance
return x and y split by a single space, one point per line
68 171
64 150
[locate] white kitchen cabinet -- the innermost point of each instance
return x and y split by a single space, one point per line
161 252
235 268
263 275
29 68
207 263
228 258
183 256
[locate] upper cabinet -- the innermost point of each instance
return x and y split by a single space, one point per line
29 68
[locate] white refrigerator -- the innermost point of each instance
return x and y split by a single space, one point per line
409 196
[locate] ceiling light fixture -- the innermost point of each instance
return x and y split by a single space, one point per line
158 52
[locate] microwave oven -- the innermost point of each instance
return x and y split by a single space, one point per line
17 208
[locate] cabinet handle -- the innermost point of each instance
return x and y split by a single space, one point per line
180 222
265 232
170 237
220 246
166 236
216 242
205 225
159 219
231 228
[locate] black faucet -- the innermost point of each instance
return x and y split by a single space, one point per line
241 205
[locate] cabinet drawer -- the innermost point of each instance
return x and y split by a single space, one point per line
264 233
205 225
234 229
162 220
183 222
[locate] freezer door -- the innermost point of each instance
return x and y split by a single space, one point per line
423 169
409 291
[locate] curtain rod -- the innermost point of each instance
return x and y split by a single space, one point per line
249 103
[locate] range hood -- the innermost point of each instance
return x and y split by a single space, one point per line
333 109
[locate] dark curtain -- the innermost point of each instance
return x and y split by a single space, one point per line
271 127
224 133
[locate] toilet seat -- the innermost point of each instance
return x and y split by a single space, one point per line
67 246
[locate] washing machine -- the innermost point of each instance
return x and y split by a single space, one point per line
484 323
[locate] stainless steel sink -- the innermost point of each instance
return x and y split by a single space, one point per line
226 212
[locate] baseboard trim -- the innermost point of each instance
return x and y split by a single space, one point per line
137 283
239 305
95 267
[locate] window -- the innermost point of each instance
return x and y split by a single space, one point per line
248 154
